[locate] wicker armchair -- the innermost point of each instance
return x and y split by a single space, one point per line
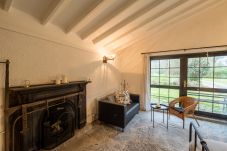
186 107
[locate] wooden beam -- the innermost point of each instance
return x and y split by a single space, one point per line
52 10
147 21
7 4
148 26
113 14
94 10
200 7
128 20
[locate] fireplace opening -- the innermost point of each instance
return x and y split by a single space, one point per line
58 125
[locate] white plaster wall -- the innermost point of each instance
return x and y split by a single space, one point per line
41 61
205 29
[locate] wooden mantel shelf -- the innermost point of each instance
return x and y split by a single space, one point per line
22 95
48 85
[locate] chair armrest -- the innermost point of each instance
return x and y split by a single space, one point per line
190 108
135 98
172 103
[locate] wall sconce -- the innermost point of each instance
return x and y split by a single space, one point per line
105 58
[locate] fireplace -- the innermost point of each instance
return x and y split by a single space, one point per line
44 116
57 125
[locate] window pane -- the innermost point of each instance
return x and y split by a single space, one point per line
194 94
164 92
206 107
155 80
206 62
154 63
173 93
155 91
193 62
154 72
164 72
164 100
174 62
220 108
174 81
193 72
206 72
154 99
206 96
164 81
221 61
220 72
164 63
220 97
220 103
193 82
206 82
220 83
175 72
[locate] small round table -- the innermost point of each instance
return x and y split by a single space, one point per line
162 108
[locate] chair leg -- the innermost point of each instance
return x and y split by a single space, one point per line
183 123
196 120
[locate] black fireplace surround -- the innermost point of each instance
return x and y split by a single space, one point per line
44 116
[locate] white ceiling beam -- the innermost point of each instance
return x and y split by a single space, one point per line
128 20
111 16
147 21
200 7
53 9
7 4
140 32
89 16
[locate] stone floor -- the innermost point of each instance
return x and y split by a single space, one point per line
139 135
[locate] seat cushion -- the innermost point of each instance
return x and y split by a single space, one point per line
131 110
178 109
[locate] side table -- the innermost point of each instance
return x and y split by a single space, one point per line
162 108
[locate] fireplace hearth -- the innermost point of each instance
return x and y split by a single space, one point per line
44 116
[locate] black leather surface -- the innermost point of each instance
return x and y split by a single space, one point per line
118 114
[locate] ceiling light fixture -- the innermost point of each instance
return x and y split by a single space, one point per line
105 58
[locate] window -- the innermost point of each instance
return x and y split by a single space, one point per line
207 81
197 75
165 78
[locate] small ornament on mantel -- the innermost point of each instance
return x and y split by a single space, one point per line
58 80
64 79
124 85
26 83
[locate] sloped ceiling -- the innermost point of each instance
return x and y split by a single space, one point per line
110 25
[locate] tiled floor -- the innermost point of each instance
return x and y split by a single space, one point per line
139 135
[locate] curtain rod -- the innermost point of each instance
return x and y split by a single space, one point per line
183 49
